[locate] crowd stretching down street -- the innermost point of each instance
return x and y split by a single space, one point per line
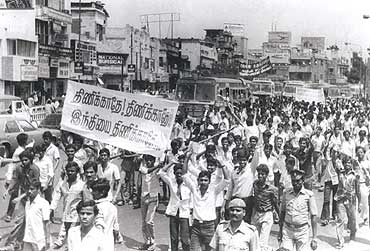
225 181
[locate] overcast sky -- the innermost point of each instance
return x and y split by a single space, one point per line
339 21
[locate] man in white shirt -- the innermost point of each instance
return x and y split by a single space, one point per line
52 152
204 205
178 208
318 141
86 237
37 231
71 190
241 185
110 171
45 165
107 211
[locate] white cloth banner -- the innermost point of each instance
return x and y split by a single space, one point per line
309 95
135 122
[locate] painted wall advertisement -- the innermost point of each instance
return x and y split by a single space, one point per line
134 122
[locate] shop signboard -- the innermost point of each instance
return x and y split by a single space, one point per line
111 58
29 72
79 67
63 69
55 51
44 69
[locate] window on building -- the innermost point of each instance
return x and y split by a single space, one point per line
99 32
12 46
75 26
146 64
42 31
160 62
25 48
42 2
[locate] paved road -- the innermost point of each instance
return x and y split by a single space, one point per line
130 226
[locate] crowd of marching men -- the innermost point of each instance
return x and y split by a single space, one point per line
225 181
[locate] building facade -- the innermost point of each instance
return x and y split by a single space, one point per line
18 51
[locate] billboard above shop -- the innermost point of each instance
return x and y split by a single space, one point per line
111 58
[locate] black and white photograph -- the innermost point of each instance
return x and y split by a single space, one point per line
193 125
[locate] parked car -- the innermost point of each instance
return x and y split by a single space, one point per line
11 126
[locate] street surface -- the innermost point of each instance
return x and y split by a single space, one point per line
130 227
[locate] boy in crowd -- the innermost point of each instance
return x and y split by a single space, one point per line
25 173
178 208
265 202
90 171
242 183
107 211
149 199
22 139
86 236
45 166
110 171
347 194
70 151
71 190
204 204
37 231
51 150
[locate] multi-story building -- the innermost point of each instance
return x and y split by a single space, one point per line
309 67
142 51
18 49
53 28
178 65
223 41
93 17
241 47
201 55
337 69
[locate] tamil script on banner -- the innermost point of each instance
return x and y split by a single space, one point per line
135 122
250 70
310 95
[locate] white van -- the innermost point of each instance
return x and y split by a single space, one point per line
13 105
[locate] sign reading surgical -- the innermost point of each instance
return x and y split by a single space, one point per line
134 122
310 95
111 58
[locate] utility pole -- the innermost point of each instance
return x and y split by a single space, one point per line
160 18
79 37
131 55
